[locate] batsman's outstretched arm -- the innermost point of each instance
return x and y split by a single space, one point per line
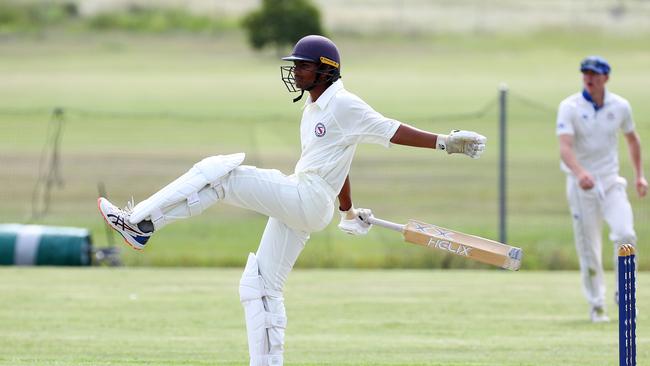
469 143
411 136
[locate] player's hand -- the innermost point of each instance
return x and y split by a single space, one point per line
354 221
469 143
585 180
641 186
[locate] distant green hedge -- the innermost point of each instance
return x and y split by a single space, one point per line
16 17
20 17
158 20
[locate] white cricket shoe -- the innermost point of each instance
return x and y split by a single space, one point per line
598 315
118 220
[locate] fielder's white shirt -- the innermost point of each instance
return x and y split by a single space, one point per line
595 140
331 128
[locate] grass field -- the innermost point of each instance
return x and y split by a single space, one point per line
167 317
140 110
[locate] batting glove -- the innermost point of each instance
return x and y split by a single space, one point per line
465 142
354 221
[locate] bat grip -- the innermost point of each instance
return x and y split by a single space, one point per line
386 224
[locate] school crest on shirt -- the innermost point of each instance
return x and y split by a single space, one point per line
611 116
320 129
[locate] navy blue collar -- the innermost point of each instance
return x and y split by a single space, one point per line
588 98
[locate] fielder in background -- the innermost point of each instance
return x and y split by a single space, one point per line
587 127
333 122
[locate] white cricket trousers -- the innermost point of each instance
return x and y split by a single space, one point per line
607 201
296 205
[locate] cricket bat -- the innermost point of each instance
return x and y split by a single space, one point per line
451 241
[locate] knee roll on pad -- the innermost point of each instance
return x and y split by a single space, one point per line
265 317
207 172
215 167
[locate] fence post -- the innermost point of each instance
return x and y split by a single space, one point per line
503 94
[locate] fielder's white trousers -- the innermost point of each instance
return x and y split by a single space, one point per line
607 201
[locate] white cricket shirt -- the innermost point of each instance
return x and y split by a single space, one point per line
595 140
331 128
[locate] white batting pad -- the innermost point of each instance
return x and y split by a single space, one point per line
186 187
265 317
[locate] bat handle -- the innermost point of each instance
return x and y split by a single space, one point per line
387 224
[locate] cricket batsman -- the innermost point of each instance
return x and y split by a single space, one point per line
333 122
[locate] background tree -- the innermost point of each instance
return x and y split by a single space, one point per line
281 22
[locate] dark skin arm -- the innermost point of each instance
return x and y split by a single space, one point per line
411 136
345 199
405 135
